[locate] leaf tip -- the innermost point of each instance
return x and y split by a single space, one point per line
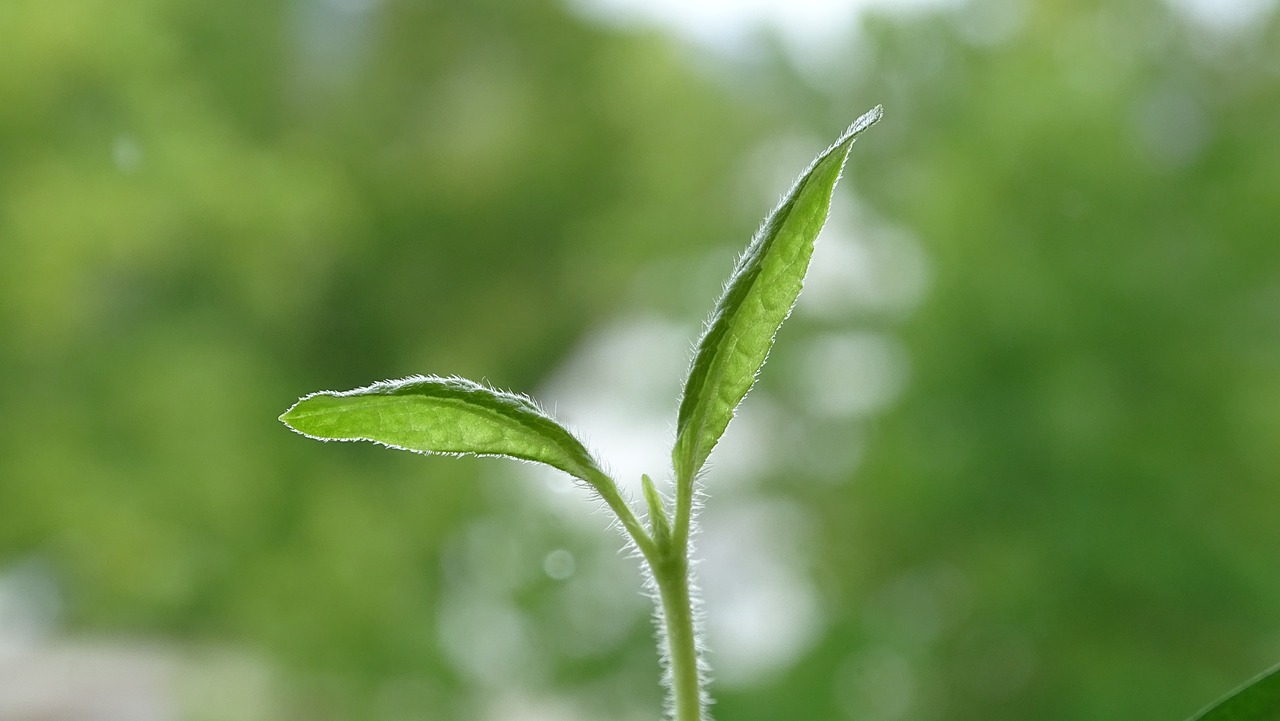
288 415
866 120
295 413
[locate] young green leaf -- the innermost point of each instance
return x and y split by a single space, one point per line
659 525
1257 700
451 416
757 299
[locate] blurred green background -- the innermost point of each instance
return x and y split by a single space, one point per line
1017 454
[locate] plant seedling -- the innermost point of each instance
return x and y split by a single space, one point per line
455 416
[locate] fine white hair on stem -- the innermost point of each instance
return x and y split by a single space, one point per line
697 615
697 608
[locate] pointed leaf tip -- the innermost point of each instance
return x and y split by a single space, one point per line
866 120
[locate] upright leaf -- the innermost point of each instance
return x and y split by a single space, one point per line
757 299
1257 700
451 416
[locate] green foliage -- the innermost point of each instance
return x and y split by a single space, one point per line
195 214
1258 700
443 415
757 299
1076 492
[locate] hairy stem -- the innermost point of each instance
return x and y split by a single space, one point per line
671 572
672 576
608 491
667 553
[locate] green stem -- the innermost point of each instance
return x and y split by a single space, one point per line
608 490
672 577
667 553
683 517
671 572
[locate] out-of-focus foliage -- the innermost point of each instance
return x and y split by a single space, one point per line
208 209
1071 513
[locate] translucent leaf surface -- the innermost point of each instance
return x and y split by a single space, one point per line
1258 700
450 416
757 299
